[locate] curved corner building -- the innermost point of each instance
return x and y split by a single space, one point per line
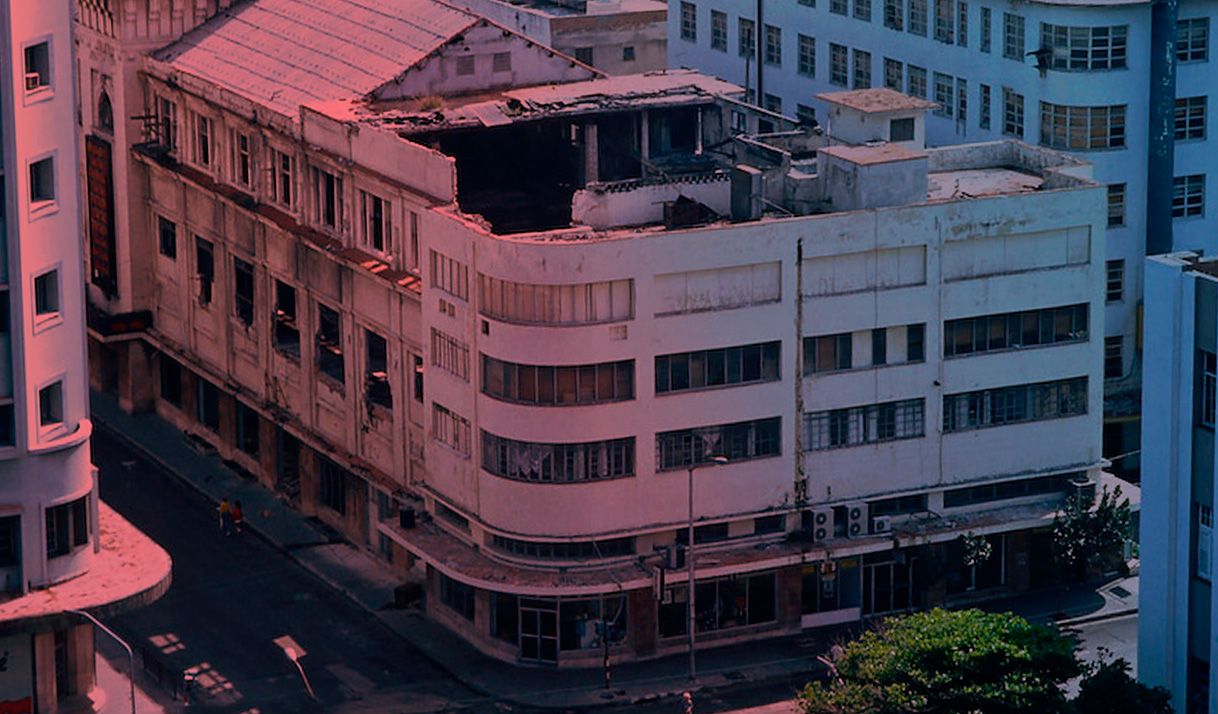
51 521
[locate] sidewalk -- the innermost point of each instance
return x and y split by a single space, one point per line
368 583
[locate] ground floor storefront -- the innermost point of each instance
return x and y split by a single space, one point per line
650 621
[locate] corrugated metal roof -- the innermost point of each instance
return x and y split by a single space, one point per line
285 53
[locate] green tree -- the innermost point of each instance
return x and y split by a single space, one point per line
1109 688
949 662
1086 536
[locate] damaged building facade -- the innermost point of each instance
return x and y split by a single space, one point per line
492 325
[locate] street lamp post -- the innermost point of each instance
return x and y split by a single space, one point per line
130 653
689 559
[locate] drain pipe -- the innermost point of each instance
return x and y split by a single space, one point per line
760 30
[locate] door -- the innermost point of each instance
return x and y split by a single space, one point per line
539 631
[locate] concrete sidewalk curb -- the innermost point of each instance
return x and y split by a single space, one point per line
1096 617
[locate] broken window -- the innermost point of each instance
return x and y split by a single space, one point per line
374 218
205 268
672 131
283 176
243 168
243 291
376 370
329 343
166 123
287 334
201 145
327 199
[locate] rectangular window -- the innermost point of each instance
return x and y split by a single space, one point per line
1113 364
862 10
839 70
42 181
962 24
283 178
773 103
450 354
331 486
901 129
773 45
450 429
741 441
961 100
46 294
376 370
502 62
243 291
839 7
50 405
827 353
1205 541
375 222
1188 196
546 385
945 22
894 74
467 64
718 30
1190 118
207 404
862 69
915 343
201 139
171 381
1013 330
805 114
917 81
1209 386
167 123
1013 41
1071 127
944 89
879 346
689 21
167 237
983 113
854 426
1012 113
1116 204
806 55
205 269
414 240
458 596
449 275
1007 490
243 165
327 199
418 378
247 429
1085 49
746 35
37 67
1193 39
287 332
894 16
987 29
1115 290
329 344
917 17
747 364
67 527
1010 405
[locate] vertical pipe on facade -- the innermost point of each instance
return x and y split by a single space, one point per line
760 30
801 481
1161 144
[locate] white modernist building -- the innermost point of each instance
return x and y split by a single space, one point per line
51 523
1176 635
493 324
1085 77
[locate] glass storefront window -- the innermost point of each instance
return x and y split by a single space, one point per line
581 625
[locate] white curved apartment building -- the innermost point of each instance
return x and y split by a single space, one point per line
51 523
481 309
1075 76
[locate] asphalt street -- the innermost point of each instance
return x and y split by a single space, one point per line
230 599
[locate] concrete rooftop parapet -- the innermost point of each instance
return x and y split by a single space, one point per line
130 571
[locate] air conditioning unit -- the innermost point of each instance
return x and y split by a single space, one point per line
33 80
822 524
881 524
856 520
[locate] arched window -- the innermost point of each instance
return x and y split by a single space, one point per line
105 112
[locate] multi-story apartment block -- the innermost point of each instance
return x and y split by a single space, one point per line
1178 606
615 36
492 315
60 548
1078 77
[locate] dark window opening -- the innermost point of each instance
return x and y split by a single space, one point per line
376 366
287 334
329 343
243 291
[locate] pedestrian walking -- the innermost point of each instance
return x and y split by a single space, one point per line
238 516
687 701
226 517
